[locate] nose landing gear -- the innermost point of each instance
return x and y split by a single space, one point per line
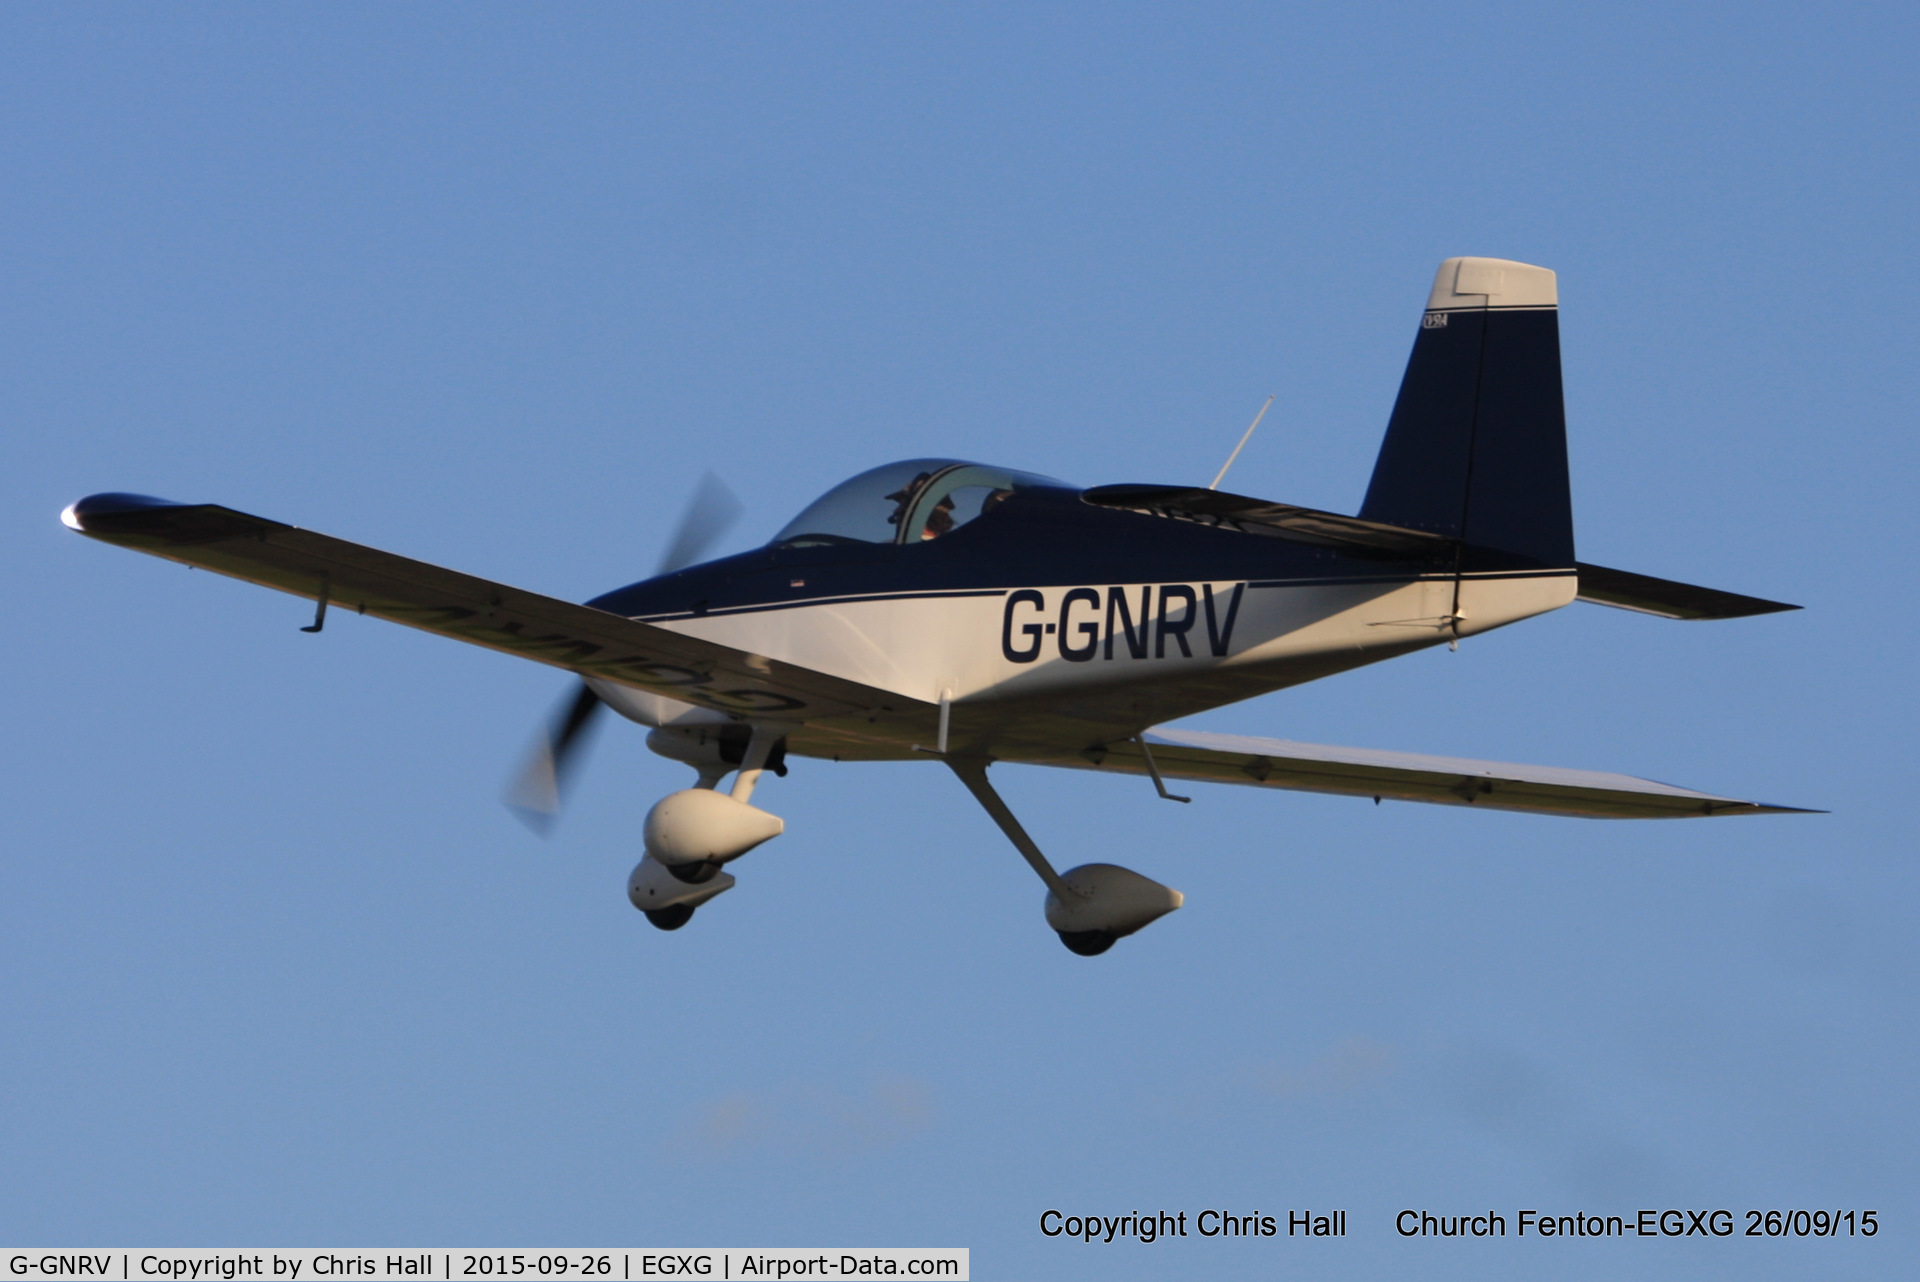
691 833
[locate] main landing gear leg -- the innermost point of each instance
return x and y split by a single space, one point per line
1089 907
759 748
973 773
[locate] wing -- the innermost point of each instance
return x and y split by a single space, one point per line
1283 520
1406 776
575 637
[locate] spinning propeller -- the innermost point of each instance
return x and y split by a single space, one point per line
539 787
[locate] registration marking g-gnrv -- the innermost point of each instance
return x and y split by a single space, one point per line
1087 623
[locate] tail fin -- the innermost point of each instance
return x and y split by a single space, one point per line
1477 446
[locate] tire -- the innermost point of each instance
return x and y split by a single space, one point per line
677 916
1087 943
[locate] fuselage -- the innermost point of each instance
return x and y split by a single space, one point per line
1049 602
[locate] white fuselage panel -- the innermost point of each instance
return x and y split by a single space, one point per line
1031 641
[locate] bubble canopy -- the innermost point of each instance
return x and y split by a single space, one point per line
915 501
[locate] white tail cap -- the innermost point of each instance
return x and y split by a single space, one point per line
1491 282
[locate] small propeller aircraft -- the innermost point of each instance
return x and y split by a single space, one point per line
949 611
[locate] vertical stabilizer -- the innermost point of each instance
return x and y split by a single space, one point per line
1477 445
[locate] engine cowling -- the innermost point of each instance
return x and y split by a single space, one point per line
700 826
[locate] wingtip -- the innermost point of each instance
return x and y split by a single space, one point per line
83 514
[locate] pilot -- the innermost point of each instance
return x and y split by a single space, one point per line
940 520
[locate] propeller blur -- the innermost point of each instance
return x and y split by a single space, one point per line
542 782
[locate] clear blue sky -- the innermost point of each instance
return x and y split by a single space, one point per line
492 286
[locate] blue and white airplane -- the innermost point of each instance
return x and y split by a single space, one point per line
949 611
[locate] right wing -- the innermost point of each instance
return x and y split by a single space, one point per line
578 638
1284 520
1407 776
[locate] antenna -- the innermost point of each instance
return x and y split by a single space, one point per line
1243 443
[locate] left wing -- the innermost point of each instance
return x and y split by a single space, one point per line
578 638
1407 776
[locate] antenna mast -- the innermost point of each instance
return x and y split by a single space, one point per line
1243 443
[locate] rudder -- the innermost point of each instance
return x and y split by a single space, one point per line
1477 445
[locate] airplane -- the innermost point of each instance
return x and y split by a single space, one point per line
941 610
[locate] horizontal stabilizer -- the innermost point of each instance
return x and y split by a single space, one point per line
1407 776
1666 598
